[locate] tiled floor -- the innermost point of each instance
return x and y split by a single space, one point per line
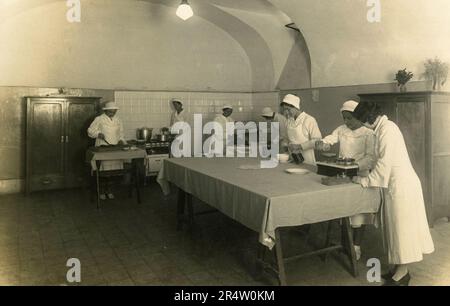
129 244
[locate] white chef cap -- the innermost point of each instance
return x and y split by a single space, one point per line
267 112
111 105
292 100
349 106
227 106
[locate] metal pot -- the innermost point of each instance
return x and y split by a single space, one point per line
165 131
163 137
144 134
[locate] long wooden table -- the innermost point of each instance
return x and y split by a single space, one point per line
267 200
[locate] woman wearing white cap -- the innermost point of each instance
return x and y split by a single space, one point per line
179 114
271 116
357 142
107 129
302 129
223 119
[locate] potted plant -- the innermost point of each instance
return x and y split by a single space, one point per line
402 77
436 71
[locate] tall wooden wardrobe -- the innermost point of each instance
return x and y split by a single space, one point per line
56 141
424 119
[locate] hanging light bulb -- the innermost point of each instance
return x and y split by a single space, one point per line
184 11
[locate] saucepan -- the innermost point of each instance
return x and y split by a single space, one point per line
163 137
144 134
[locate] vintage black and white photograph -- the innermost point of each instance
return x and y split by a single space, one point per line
246 144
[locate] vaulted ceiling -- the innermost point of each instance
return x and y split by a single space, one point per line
344 48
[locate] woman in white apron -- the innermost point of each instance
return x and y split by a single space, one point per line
357 142
107 129
270 116
223 119
405 222
302 129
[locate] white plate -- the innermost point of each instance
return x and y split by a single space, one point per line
129 148
297 171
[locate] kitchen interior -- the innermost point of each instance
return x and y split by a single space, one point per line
246 54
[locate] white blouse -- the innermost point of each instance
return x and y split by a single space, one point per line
112 128
358 144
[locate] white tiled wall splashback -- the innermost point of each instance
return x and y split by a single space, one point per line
153 109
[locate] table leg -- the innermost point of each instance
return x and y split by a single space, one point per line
328 239
280 259
260 251
347 243
136 174
180 208
97 178
260 263
190 208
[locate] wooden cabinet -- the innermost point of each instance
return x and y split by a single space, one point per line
57 140
423 118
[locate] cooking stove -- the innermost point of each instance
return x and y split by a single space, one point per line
155 147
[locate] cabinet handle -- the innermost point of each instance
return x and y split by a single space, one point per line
67 139
62 139
46 182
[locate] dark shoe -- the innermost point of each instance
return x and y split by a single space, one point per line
387 275
404 281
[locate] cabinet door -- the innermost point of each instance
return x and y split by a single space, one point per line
411 119
441 156
45 157
79 113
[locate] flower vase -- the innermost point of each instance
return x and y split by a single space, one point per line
402 87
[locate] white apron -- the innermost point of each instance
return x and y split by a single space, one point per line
112 135
406 228
297 134
111 130
358 144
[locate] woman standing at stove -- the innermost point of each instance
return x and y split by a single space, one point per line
107 129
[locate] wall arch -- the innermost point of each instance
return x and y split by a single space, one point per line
251 62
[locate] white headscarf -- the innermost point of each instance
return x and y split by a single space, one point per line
349 106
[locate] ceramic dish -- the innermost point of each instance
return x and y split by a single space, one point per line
297 171
283 158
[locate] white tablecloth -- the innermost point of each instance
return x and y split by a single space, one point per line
265 199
